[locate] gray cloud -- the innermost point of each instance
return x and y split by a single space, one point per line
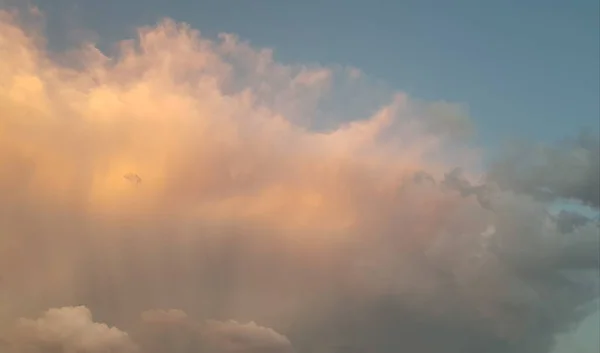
570 170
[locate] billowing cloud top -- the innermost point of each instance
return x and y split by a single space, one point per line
268 208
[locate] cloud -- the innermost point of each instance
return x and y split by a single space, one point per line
184 172
68 329
231 336
570 170
174 331
71 329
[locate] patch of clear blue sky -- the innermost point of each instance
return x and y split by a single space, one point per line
526 68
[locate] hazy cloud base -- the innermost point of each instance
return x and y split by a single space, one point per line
189 195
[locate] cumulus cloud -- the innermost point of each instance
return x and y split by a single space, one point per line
174 331
231 336
69 329
569 170
184 172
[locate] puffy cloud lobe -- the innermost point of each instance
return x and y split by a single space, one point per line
66 330
71 329
174 331
231 336
570 170
190 173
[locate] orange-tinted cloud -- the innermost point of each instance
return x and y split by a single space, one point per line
182 172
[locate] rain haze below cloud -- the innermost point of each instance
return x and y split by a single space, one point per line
186 194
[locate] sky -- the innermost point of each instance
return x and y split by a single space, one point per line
530 63
222 177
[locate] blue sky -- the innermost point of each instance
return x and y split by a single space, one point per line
527 69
